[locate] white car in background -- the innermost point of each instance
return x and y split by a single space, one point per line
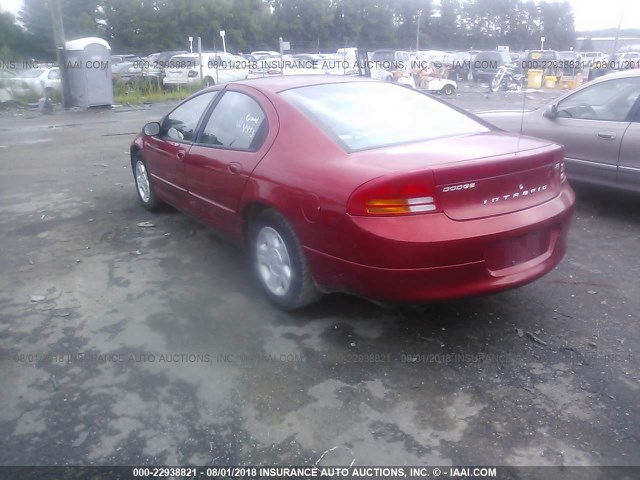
217 68
339 64
590 57
258 54
348 54
38 80
11 87
392 66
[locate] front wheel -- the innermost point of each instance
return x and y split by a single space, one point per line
144 187
279 263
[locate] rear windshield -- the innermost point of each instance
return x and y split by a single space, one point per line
184 61
365 115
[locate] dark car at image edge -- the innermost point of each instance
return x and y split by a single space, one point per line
310 177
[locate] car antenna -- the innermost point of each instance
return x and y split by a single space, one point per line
524 102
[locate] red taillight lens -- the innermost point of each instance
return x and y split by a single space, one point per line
405 195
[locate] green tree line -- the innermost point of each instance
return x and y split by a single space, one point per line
146 26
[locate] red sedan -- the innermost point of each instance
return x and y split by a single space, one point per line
348 184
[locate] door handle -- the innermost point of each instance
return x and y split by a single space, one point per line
234 168
607 135
181 154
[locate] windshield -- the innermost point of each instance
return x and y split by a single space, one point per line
346 112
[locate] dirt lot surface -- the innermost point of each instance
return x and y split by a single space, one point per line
125 345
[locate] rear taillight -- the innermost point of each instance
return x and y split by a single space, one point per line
192 74
404 195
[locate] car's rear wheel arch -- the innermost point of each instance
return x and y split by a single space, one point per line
249 213
299 289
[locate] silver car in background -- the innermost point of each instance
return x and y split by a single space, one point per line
598 124
216 67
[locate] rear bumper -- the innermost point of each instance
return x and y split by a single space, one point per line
466 258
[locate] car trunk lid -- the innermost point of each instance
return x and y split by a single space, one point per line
480 175
499 185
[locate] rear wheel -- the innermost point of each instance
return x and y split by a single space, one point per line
144 187
209 82
279 263
448 90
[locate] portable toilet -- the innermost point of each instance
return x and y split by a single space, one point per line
88 70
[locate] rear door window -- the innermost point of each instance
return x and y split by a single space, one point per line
237 122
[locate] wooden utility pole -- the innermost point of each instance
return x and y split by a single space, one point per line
615 42
58 38
418 30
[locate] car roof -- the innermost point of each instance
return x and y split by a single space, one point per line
278 84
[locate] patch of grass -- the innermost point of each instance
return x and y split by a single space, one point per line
142 90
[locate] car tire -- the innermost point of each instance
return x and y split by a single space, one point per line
144 186
209 82
279 262
448 90
495 84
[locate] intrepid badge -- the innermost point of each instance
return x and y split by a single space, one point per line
512 196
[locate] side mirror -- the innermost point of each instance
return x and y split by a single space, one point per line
151 129
551 111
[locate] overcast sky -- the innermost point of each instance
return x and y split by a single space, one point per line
590 14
